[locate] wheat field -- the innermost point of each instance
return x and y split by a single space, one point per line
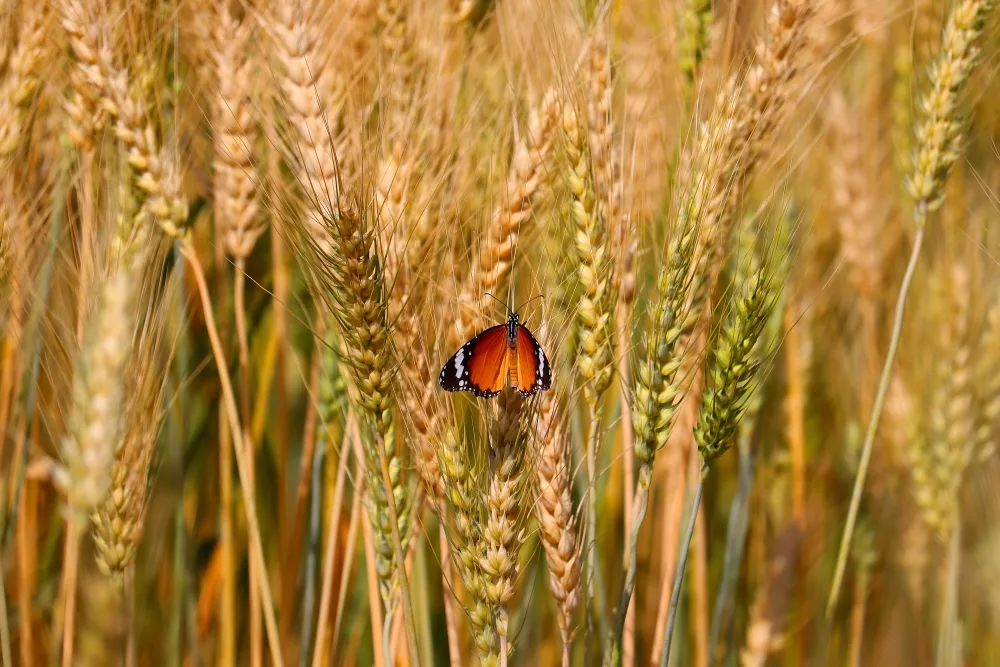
758 243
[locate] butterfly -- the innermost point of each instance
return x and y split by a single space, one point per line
503 355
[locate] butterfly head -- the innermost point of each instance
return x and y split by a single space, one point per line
512 321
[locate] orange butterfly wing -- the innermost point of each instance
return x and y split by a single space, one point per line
488 361
479 366
533 369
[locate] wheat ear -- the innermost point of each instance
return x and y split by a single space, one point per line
938 135
351 281
466 516
554 511
504 532
21 79
944 447
118 520
511 216
88 450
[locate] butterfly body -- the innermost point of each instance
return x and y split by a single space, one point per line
505 355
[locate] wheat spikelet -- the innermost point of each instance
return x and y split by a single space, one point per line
397 63
407 243
939 130
909 57
155 170
554 510
84 108
21 78
511 216
235 135
747 111
656 377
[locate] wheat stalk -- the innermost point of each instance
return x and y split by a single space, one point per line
938 145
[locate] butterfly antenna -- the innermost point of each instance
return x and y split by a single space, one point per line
502 303
534 298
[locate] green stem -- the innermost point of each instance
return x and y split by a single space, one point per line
675 596
883 390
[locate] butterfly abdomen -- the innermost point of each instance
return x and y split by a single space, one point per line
512 365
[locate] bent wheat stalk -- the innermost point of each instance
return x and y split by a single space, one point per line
939 138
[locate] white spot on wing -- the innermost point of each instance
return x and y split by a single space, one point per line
459 367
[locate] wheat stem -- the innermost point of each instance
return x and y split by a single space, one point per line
239 443
873 422
675 596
